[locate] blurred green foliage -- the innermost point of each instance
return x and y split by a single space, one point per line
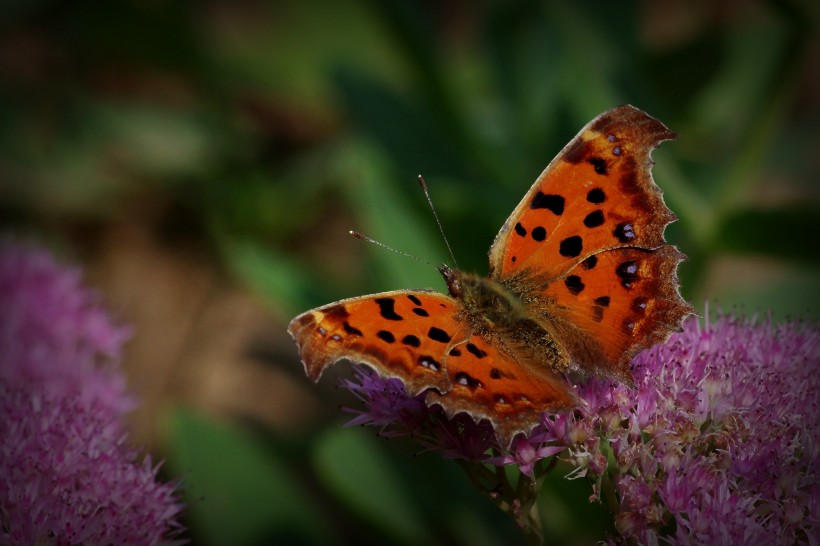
262 131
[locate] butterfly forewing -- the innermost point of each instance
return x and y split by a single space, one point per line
401 334
598 193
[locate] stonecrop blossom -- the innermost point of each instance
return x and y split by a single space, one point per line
717 443
68 474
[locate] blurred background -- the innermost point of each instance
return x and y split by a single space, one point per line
203 161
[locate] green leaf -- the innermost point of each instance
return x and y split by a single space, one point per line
237 492
351 465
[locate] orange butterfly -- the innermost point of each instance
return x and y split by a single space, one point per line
581 280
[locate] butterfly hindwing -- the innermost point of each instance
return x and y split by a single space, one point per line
616 303
489 383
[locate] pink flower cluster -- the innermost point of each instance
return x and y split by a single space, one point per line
69 476
718 443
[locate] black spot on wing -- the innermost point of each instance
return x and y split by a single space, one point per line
639 304
603 301
599 164
539 234
626 269
387 309
437 334
520 230
553 203
411 341
420 312
624 232
351 330
596 196
628 272
574 284
429 362
386 336
336 312
466 380
590 263
577 151
475 351
594 219
414 299
571 247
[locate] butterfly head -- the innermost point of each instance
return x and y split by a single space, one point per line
485 300
453 279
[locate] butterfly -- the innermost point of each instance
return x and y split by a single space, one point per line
581 279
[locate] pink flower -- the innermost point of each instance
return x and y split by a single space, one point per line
68 475
718 443
526 452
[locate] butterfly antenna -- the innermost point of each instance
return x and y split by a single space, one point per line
367 239
423 185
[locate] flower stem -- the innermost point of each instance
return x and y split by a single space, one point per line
519 501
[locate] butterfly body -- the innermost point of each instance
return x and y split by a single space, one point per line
581 280
509 314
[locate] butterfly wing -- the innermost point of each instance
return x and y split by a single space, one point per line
418 337
488 383
399 334
588 242
614 305
597 194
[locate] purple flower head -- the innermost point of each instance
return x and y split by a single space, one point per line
68 475
718 442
